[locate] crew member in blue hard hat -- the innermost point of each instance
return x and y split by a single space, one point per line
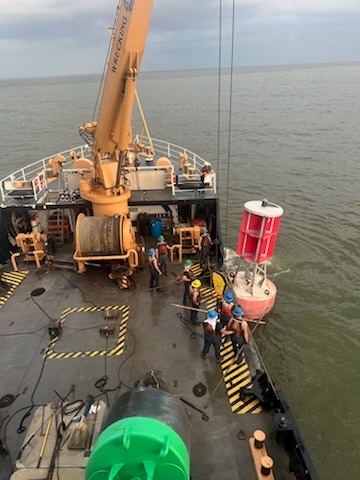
162 249
225 307
213 329
240 332
204 245
187 278
155 271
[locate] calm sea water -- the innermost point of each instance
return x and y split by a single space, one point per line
294 140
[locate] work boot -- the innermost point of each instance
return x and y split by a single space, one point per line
202 355
218 360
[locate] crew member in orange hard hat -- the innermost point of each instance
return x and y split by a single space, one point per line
195 301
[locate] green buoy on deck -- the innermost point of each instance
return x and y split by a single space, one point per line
139 448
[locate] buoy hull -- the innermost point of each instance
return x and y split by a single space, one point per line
256 305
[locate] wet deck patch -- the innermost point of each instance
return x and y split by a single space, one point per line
11 280
53 350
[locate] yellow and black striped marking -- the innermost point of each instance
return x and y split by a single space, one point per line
10 280
235 377
209 297
196 269
116 350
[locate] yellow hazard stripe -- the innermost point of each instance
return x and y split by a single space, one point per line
13 280
196 269
236 377
115 350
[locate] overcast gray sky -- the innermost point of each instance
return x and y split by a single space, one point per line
61 37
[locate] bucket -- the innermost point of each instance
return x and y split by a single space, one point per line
156 227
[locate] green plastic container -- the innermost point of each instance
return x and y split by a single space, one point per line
139 448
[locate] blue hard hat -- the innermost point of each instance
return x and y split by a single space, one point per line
229 297
212 315
152 251
238 312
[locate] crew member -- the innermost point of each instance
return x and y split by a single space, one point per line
187 278
206 173
240 332
213 329
204 246
162 253
195 301
225 307
155 271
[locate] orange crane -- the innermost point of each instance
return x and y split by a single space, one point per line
109 235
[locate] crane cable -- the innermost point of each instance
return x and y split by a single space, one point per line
230 121
104 69
219 97
230 112
217 169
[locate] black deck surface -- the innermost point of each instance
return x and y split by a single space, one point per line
155 338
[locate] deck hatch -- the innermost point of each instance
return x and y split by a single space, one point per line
116 348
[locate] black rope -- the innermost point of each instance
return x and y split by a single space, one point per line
185 322
121 382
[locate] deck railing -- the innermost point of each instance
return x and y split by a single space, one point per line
162 149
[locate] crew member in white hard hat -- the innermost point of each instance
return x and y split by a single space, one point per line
206 173
240 332
213 329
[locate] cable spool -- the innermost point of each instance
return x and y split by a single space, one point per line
104 235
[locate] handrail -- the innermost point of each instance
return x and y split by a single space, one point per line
162 148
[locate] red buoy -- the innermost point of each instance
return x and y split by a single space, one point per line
258 231
257 239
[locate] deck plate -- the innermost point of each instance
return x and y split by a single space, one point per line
53 350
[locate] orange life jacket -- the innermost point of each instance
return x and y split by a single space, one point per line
226 308
205 240
235 327
162 248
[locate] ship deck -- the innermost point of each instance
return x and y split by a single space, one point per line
150 335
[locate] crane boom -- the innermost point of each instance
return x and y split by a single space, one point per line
113 130
111 134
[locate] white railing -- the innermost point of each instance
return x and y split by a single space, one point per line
166 149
